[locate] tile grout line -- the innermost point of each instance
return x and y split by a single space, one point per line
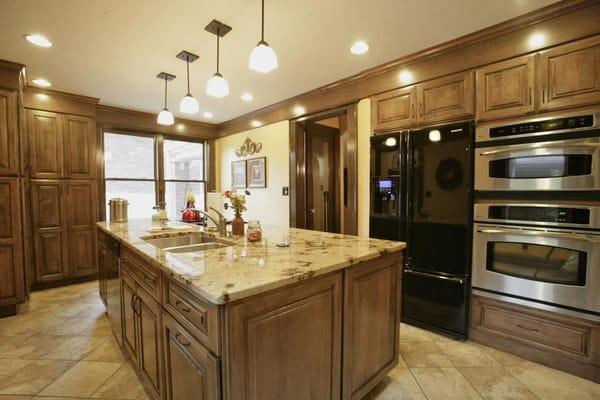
418 384
106 380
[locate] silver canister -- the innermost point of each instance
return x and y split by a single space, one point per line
118 209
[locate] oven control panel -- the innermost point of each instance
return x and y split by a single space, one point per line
549 125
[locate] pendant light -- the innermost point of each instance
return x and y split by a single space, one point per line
188 104
217 86
165 117
263 58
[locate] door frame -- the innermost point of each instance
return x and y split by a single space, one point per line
298 181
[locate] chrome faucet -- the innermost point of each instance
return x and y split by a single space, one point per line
220 223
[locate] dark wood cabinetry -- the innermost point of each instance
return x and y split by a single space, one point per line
81 219
12 289
80 147
447 98
9 161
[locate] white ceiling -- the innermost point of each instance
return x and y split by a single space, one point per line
113 49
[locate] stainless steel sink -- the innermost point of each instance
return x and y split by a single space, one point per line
188 243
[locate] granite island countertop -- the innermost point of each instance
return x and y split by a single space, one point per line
244 269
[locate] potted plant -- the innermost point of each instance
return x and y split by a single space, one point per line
238 203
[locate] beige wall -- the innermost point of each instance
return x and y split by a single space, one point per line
364 154
267 205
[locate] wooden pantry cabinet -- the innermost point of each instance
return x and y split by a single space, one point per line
447 98
9 161
63 220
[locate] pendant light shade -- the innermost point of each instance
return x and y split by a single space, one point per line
188 104
217 86
263 58
165 117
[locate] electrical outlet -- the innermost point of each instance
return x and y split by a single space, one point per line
285 191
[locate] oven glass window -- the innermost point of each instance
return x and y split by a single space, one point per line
537 262
552 166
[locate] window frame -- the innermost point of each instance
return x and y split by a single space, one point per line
158 165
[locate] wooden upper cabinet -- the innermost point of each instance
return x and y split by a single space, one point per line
45 133
395 109
449 97
505 89
80 148
569 75
11 252
8 133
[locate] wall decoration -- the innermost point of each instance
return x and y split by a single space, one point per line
257 172
238 174
248 148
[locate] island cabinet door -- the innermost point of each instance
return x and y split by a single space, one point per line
285 344
149 341
128 313
191 371
371 324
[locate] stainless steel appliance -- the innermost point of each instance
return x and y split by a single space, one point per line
113 286
546 253
118 209
553 153
421 189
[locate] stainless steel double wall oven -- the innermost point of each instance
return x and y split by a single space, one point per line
536 235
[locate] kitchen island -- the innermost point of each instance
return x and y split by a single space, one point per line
237 320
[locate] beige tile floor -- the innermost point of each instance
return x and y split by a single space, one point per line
62 348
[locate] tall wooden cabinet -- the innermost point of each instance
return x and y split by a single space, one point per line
62 166
9 162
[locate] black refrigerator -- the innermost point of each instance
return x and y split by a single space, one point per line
421 193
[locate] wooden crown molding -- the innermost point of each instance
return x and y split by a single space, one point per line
566 20
57 101
11 75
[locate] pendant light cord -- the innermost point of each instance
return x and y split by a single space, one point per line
165 93
218 37
188 74
262 26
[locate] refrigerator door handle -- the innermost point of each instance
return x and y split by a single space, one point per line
425 274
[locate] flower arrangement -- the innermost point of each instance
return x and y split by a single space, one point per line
236 201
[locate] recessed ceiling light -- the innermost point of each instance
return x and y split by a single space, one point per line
247 97
255 123
38 40
41 82
299 110
207 114
360 47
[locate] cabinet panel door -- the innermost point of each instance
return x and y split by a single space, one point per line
371 320
12 289
8 133
291 332
128 314
449 97
395 109
80 147
45 133
505 89
49 226
150 344
81 227
191 371
570 75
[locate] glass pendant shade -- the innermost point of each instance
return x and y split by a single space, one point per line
189 105
217 86
263 58
165 117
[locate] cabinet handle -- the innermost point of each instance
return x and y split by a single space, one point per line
133 304
421 109
527 328
148 280
530 96
412 113
543 93
179 303
182 341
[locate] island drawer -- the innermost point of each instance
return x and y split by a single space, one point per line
146 275
197 316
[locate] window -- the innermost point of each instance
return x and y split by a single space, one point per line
133 171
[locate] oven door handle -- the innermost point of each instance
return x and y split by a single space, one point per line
543 233
537 146
425 274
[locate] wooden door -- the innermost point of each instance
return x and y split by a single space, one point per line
371 324
80 147
149 339
46 144
12 289
505 89
394 109
293 332
569 75
191 371
49 230
81 200
446 98
128 313
8 133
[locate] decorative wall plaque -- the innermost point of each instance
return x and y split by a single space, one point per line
248 148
